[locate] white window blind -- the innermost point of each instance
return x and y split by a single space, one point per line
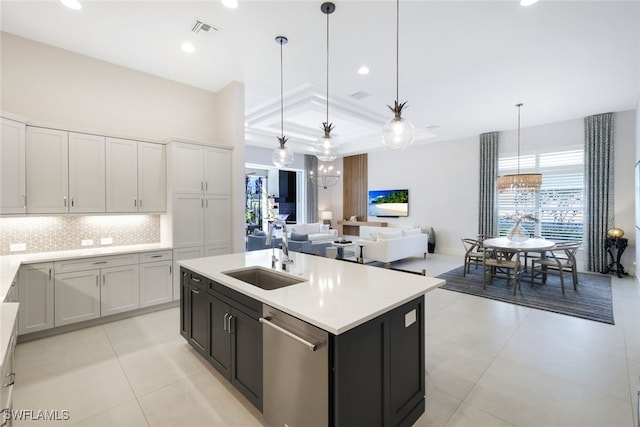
559 204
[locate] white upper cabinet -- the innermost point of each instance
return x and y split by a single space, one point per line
217 178
152 185
13 190
188 169
47 170
136 176
86 173
122 175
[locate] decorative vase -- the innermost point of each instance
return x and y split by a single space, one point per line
517 233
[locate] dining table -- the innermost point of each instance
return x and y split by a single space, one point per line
534 244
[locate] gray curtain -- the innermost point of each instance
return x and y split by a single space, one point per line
598 187
487 218
311 164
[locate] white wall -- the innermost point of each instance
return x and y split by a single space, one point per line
442 177
637 159
63 89
331 198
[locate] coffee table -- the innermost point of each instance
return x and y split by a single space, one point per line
342 245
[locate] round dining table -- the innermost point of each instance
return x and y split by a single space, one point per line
530 245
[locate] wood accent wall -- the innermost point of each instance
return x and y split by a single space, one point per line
354 193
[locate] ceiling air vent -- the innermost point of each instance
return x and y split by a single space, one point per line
359 95
201 26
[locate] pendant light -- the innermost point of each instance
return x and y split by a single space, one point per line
281 156
398 133
519 183
327 148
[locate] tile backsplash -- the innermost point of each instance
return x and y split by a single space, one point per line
56 233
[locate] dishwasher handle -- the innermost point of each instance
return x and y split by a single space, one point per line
310 346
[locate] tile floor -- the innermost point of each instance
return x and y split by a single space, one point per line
488 364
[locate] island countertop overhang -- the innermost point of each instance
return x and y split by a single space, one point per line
335 296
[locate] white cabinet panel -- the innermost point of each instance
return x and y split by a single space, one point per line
188 169
35 294
217 171
47 170
156 284
77 297
188 220
122 175
120 289
152 187
13 190
86 173
217 220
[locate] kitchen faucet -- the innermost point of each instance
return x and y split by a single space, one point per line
285 249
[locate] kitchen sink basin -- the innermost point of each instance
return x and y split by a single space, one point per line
264 278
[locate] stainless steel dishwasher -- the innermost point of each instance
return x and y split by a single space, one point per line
296 371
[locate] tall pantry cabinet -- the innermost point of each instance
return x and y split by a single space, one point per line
199 198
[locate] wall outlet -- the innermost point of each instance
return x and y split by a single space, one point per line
16 247
106 240
87 242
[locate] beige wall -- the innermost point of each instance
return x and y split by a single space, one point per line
57 87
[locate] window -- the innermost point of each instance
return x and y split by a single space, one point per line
559 204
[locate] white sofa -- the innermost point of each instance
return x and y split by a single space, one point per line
394 245
317 232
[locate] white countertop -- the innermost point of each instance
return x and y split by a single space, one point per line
336 295
10 264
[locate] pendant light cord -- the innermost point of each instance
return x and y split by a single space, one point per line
519 105
397 50
281 95
327 67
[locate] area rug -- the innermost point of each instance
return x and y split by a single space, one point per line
591 301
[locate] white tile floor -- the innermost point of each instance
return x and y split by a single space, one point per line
488 364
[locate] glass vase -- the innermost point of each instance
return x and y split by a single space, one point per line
517 233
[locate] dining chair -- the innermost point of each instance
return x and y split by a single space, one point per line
473 254
562 259
500 263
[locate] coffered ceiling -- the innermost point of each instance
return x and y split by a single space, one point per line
463 64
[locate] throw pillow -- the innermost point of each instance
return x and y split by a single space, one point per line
324 228
374 237
299 237
390 235
313 228
411 232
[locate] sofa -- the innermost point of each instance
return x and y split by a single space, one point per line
391 246
316 232
300 243
258 240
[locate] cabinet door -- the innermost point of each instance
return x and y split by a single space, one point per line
188 220
156 286
35 294
219 341
178 255
86 173
217 220
13 190
122 175
47 154
152 187
120 289
246 356
187 168
198 307
77 296
217 170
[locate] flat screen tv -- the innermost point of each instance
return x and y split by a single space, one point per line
390 203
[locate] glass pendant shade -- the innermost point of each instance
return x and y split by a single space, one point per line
282 156
326 148
398 133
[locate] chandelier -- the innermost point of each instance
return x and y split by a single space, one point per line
325 177
519 183
281 156
398 133
326 148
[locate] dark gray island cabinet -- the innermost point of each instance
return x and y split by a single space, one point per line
376 369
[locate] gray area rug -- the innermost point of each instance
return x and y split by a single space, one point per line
591 301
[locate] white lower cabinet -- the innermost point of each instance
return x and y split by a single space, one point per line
35 294
156 283
120 289
77 296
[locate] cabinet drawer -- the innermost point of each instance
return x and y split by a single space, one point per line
80 264
155 256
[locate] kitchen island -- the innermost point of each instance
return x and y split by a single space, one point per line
373 367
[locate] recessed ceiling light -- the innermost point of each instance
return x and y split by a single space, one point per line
363 71
527 2
72 4
231 4
188 47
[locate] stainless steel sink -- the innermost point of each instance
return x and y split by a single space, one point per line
264 278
